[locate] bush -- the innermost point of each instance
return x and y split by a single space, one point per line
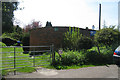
85 43
73 40
71 58
14 36
26 39
26 42
88 57
105 57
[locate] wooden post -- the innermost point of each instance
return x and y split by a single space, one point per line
53 54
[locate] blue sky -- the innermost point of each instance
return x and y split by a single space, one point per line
79 13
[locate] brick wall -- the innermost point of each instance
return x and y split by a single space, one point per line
51 35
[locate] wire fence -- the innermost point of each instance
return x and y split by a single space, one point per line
26 56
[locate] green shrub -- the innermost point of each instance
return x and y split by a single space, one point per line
88 57
26 42
105 57
71 58
2 44
73 40
26 39
14 36
6 35
85 43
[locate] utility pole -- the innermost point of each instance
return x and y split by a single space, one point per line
99 16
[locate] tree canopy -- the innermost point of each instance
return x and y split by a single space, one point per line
7 15
107 36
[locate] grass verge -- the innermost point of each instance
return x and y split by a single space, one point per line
26 69
23 70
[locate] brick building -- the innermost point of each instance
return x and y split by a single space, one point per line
52 35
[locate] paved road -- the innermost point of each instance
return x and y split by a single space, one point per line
110 71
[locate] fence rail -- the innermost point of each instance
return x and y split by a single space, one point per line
13 57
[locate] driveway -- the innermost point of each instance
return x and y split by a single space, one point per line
110 71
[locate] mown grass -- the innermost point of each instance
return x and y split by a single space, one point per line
26 69
23 70
22 60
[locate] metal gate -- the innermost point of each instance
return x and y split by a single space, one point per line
32 56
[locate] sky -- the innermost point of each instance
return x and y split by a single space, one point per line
78 13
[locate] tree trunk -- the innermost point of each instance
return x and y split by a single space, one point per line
98 48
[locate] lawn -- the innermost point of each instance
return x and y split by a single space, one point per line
22 60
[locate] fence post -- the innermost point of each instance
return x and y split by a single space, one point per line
14 62
53 54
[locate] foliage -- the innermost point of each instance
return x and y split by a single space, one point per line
70 58
26 42
88 57
105 57
18 29
73 40
107 36
85 43
2 44
33 25
26 39
7 15
14 36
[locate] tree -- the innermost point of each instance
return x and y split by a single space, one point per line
34 24
107 37
7 15
17 29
